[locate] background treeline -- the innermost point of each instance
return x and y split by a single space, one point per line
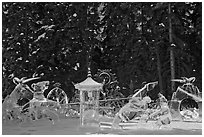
51 40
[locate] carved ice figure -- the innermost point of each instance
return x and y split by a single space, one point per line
40 106
58 95
134 105
137 104
162 112
185 99
10 109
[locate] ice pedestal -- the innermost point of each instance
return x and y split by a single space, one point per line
91 118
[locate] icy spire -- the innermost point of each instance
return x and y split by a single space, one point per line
89 62
89 72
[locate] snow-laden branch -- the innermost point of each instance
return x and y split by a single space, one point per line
46 28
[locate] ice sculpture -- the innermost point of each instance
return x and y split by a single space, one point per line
186 102
58 95
137 104
111 99
41 107
89 100
162 113
10 108
134 105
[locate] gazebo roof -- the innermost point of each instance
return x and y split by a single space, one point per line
88 84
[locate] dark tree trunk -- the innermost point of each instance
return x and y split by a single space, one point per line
159 70
172 60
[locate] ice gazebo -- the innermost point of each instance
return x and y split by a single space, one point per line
89 99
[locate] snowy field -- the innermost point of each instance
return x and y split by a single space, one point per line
72 127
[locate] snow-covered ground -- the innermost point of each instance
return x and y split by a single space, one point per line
72 127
